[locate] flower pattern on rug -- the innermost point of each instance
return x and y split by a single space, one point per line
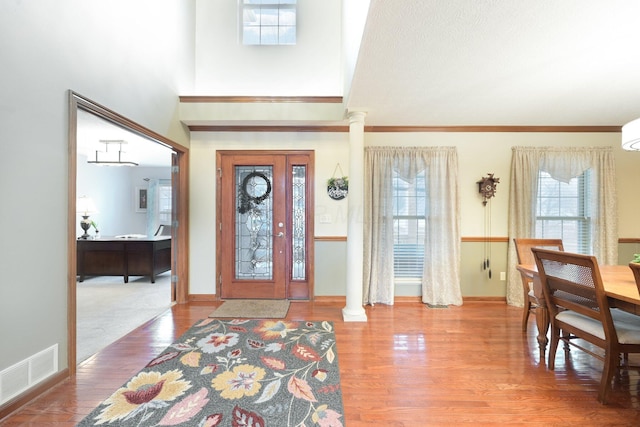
238 372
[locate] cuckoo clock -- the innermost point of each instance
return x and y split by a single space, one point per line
487 187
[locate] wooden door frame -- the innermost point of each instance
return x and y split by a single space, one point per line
310 215
76 102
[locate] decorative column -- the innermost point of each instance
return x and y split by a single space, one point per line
354 311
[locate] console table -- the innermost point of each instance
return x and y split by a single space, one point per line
114 256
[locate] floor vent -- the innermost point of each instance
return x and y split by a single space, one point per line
23 375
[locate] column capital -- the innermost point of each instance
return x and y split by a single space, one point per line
356 116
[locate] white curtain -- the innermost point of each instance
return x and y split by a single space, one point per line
152 206
441 276
563 164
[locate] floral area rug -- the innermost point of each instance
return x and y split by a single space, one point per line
233 372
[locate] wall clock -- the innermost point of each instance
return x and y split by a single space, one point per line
487 187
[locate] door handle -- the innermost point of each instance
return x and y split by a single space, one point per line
280 234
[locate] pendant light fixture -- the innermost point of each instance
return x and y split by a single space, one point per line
631 136
112 153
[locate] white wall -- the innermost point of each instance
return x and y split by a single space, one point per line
313 67
478 155
132 57
330 148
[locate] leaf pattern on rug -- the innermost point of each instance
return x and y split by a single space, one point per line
236 372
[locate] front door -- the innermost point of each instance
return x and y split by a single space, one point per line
265 203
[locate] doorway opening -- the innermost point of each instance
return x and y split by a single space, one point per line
165 263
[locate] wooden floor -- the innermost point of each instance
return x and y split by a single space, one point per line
409 365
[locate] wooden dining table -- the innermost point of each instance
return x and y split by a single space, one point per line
619 286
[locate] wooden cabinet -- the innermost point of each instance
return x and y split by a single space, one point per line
124 257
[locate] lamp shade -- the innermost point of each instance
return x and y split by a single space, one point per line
631 136
85 206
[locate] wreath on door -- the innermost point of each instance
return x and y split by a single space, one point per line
247 201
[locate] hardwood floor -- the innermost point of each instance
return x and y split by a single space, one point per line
407 366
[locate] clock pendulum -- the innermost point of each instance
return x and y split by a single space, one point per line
487 187
487 238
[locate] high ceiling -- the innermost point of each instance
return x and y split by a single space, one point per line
145 152
488 63
499 63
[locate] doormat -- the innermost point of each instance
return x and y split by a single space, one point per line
251 372
437 305
252 309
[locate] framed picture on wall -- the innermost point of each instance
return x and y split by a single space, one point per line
141 199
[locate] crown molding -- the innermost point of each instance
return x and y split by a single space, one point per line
261 127
263 99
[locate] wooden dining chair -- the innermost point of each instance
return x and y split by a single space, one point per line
578 307
525 256
635 267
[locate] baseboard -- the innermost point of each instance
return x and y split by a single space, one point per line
409 299
342 299
330 299
485 299
203 298
406 299
19 401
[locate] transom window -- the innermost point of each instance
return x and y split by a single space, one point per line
409 212
563 211
268 22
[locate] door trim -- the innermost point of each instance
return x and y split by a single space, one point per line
77 101
293 292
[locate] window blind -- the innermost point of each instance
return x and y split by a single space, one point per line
563 211
409 207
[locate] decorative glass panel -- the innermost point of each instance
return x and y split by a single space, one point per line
254 212
299 225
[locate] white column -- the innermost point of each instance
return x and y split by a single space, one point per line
354 311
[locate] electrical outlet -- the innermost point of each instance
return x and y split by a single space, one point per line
503 275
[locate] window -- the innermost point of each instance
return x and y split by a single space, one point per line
164 203
562 211
409 211
268 22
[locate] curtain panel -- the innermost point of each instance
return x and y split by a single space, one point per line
563 164
441 275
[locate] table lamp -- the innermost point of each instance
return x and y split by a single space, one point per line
85 207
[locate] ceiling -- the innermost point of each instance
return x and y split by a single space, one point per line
477 63
145 152
499 63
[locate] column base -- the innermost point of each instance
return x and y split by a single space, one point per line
349 315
